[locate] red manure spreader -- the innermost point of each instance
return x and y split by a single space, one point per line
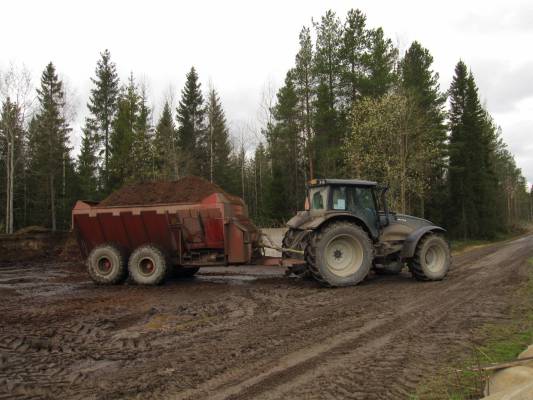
147 229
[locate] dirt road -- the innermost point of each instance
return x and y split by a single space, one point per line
243 333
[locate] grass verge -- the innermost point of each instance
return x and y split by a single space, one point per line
500 343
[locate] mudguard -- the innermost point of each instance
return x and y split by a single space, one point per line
409 246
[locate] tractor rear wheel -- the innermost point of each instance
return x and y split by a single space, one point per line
293 239
432 259
106 264
148 265
340 254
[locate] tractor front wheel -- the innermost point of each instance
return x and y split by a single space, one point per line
340 254
432 259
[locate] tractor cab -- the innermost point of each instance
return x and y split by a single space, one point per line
362 199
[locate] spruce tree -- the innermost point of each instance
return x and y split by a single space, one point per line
285 147
50 151
123 136
87 163
102 107
165 146
191 128
142 151
471 174
219 146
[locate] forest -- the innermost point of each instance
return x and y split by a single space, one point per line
351 106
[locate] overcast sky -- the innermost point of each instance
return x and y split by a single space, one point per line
241 46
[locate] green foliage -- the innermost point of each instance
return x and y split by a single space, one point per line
102 106
166 146
50 166
473 196
127 131
218 145
420 83
191 128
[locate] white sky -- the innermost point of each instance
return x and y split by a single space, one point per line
241 46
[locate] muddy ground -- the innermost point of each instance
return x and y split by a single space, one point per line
244 333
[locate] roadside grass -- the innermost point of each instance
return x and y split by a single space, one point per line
459 246
498 343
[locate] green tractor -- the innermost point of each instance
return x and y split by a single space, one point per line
346 230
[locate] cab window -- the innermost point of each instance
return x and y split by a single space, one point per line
318 197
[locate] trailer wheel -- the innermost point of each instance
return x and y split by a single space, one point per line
148 265
106 264
432 259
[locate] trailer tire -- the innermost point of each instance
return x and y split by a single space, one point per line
106 264
148 265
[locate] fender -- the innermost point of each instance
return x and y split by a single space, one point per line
346 216
410 243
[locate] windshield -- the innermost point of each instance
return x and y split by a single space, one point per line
318 197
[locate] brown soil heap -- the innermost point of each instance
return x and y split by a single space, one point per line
190 189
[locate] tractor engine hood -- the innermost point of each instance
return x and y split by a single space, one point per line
409 220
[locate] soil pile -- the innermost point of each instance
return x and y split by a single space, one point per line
190 189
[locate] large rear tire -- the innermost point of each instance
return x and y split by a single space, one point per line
106 264
340 254
148 265
432 259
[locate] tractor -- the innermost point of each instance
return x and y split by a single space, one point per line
347 230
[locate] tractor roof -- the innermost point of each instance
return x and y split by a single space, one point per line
345 182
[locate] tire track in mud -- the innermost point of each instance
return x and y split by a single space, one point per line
303 369
265 338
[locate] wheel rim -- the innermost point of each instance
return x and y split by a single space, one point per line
104 266
344 255
147 266
435 258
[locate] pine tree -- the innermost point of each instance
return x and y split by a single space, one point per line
380 63
304 86
49 146
103 107
166 146
219 145
355 42
420 82
191 128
